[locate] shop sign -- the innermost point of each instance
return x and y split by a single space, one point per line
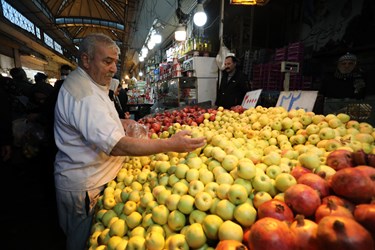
297 100
251 99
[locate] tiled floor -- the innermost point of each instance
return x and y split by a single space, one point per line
28 214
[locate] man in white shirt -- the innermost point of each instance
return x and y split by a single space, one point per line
91 138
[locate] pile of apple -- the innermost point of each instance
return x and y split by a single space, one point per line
266 179
189 115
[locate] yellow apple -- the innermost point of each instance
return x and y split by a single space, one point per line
225 209
230 230
245 214
195 236
176 220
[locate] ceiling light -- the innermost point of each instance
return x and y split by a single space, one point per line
141 58
249 2
150 44
140 73
180 33
200 17
156 38
144 51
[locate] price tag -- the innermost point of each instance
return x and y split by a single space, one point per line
251 99
297 100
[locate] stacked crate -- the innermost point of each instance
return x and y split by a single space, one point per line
295 54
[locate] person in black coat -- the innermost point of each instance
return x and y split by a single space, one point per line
233 85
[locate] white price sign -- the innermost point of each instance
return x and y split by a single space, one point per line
297 100
251 99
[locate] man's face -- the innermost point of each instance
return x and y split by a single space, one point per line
346 66
229 65
102 67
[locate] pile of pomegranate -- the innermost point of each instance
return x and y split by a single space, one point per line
319 213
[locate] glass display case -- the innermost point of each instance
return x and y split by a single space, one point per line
183 91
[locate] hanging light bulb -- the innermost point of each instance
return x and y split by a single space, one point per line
140 73
141 58
144 51
200 17
180 33
150 44
156 37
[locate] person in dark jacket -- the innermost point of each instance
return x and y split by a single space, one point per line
348 80
233 85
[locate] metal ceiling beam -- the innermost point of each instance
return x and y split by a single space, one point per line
81 21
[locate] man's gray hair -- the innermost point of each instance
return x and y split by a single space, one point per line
89 43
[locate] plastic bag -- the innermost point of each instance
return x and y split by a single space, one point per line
137 130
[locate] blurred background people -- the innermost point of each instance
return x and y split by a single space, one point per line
233 85
348 80
20 80
114 91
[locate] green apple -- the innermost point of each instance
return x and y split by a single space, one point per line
211 188
176 220
284 180
246 169
316 119
192 174
313 139
134 219
136 242
118 228
94 237
230 230
147 220
194 162
225 209
203 201
309 160
245 183
213 164
160 214
104 237
195 236
181 170
206 176
107 216
172 201
146 198
172 179
245 214
163 195
129 207
176 241
180 188
229 162
261 182
186 204
327 133
195 186
287 123
260 198
332 144
273 171
109 202
222 191
306 120
335 122
218 170
352 124
324 170
197 216
273 158
224 178
237 194
211 224
155 241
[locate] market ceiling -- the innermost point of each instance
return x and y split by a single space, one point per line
126 21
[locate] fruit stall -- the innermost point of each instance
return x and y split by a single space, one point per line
266 179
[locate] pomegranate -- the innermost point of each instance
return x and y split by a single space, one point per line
371 160
302 199
275 209
270 234
305 231
339 159
339 201
298 171
365 215
368 170
230 245
335 232
316 182
353 184
331 208
359 158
